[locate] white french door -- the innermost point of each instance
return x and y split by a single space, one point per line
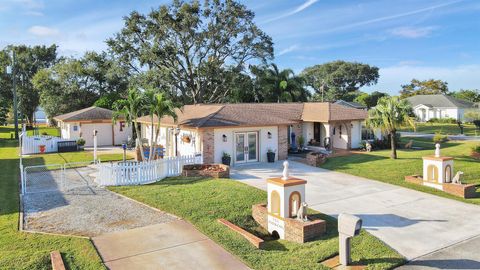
246 147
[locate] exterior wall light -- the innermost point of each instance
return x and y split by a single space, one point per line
269 135
224 138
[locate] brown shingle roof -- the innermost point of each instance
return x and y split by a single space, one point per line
90 113
259 114
326 112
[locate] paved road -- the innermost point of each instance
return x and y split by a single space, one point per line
174 245
412 222
429 136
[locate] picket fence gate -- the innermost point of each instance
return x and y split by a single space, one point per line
137 173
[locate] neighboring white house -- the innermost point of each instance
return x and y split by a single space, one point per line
39 116
427 107
248 131
82 123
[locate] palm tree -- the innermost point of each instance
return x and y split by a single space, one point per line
158 105
390 114
280 85
131 108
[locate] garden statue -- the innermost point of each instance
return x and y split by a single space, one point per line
302 212
368 146
437 150
409 145
285 170
456 178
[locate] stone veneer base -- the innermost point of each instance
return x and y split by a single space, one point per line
462 191
295 230
192 171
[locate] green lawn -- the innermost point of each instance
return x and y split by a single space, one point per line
31 251
202 202
7 131
52 131
378 166
448 129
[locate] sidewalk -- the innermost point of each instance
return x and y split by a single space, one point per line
174 245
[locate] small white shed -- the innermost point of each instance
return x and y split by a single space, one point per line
82 123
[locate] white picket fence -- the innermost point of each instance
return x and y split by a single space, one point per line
137 173
31 144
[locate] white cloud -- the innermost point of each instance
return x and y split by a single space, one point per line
43 31
288 49
33 13
412 32
458 77
303 6
30 4
377 20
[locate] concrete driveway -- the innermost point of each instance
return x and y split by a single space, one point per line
413 223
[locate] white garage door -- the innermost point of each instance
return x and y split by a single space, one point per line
104 134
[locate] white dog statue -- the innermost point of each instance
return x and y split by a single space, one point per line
368 146
456 178
302 212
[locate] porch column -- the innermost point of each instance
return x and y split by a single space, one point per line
348 125
283 142
208 145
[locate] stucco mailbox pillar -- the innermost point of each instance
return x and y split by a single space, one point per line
348 226
285 196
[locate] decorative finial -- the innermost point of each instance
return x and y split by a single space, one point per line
285 170
437 150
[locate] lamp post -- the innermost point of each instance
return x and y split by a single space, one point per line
12 70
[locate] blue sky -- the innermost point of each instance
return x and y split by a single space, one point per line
406 39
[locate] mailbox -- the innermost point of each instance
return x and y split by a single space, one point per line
348 226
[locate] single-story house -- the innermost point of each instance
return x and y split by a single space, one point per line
427 107
39 116
82 123
352 104
248 131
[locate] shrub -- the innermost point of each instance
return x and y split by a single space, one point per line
301 141
477 124
44 133
442 120
476 149
440 138
81 142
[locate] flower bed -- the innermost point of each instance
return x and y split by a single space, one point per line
206 170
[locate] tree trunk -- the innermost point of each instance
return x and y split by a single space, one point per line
393 144
152 131
138 141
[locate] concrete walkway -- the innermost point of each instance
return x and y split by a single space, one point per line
174 245
412 222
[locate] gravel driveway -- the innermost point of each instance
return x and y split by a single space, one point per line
86 210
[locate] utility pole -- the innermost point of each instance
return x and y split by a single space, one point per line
15 105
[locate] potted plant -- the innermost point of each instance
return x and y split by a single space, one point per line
301 142
226 158
80 143
186 138
270 155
